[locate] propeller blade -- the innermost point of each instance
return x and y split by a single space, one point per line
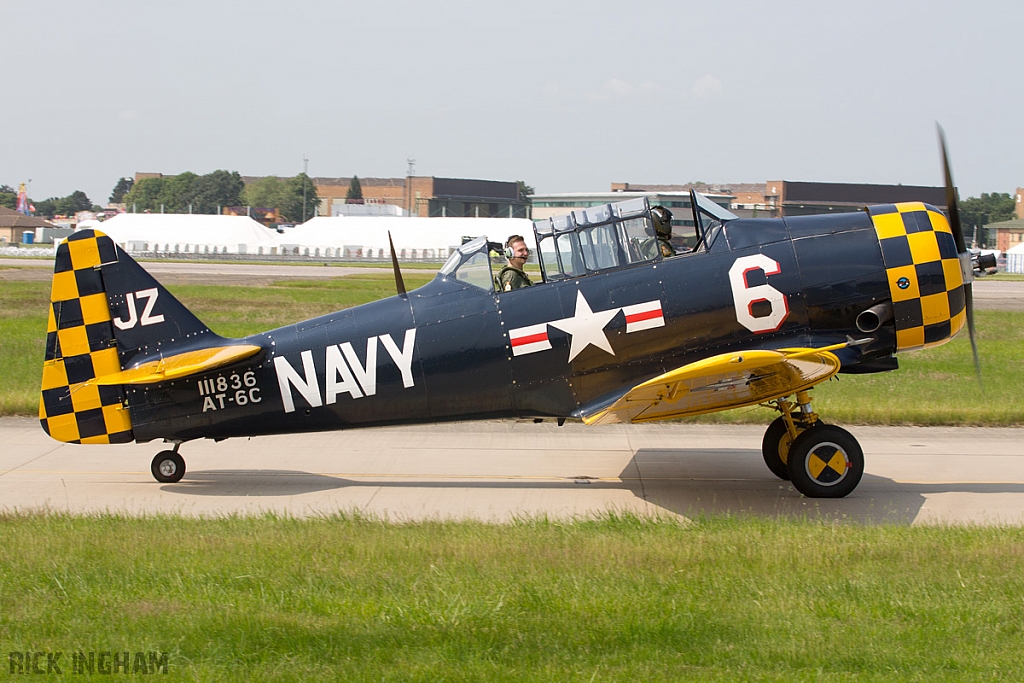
953 211
399 282
952 206
969 301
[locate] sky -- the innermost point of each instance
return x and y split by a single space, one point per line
566 96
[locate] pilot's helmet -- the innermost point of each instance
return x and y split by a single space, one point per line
662 220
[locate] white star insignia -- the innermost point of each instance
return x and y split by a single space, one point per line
586 327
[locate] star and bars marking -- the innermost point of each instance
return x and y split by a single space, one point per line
586 327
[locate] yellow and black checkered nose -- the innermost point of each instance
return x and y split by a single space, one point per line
924 273
80 347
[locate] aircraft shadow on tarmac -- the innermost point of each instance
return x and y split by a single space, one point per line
695 482
687 481
296 482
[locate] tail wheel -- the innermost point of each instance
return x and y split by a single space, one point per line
825 462
168 467
775 447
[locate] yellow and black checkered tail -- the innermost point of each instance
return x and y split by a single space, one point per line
112 325
80 346
925 274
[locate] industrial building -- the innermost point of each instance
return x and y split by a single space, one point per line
427 196
778 198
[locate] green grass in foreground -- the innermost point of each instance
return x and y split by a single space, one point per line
615 599
935 386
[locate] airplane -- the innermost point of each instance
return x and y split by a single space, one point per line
758 312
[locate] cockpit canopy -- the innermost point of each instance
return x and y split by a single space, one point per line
471 263
589 240
596 238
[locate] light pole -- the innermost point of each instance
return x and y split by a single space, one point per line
305 169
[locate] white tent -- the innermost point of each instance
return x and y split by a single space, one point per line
1015 259
415 238
188 233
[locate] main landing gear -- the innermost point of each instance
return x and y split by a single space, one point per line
168 467
821 460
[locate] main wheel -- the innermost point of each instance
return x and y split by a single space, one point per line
168 467
825 462
775 448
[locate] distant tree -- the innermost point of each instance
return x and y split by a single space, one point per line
124 185
524 191
145 195
305 200
988 208
270 192
355 190
8 197
47 208
64 206
178 192
217 189
77 201
284 195
185 191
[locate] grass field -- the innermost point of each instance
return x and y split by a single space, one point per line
615 599
932 387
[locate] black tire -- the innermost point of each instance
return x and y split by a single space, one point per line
168 467
775 448
825 462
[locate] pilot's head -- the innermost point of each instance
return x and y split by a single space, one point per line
662 221
516 251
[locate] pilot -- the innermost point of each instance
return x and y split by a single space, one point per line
663 227
512 276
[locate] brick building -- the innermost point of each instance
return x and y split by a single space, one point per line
1008 234
427 196
789 198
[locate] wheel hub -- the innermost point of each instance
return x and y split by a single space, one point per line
828 464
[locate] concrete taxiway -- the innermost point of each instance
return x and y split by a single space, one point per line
497 471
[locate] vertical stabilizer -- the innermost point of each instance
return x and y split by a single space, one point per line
80 346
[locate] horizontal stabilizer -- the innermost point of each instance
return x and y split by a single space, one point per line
180 365
729 380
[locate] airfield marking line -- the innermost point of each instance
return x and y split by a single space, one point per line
52 450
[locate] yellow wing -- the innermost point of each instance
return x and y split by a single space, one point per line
729 380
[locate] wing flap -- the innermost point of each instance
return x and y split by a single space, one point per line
728 380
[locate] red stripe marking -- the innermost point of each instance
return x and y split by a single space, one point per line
644 315
519 341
